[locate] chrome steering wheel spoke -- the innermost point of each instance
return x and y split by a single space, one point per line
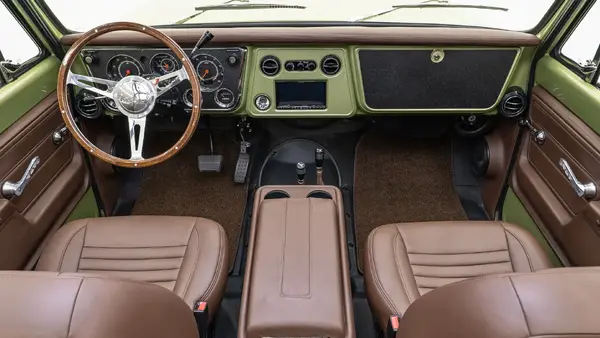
175 78
136 137
80 81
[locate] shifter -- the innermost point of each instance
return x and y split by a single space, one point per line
204 39
300 172
319 158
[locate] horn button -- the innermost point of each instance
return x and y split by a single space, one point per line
135 96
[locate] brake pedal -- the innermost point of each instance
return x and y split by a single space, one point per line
243 163
212 162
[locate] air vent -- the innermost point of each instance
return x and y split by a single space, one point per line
87 106
270 65
513 103
330 65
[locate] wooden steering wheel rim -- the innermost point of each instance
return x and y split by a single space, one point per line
65 107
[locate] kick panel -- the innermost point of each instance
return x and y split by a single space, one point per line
434 78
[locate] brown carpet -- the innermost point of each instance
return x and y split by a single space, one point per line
402 180
177 188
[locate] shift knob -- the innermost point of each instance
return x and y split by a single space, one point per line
319 157
300 172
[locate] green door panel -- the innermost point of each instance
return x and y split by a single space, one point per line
19 96
582 98
514 212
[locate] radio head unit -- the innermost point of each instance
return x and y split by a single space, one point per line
301 95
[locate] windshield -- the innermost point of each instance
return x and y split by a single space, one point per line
82 15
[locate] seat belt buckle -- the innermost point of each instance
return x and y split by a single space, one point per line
393 326
201 316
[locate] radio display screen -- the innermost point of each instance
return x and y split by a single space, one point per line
301 94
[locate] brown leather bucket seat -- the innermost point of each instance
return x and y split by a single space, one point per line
186 255
553 303
407 260
49 304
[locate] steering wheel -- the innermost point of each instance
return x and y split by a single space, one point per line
134 96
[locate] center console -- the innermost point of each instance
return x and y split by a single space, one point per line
297 281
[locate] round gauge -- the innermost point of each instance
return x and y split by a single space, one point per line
210 71
121 66
188 97
224 98
163 63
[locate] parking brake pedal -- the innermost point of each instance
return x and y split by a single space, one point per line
212 162
243 162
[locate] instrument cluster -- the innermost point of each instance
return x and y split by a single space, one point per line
219 71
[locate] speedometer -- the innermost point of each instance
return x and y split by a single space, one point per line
122 65
210 71
163 63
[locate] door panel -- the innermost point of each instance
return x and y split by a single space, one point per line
58 183
540 182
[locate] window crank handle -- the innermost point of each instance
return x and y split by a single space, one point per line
10 189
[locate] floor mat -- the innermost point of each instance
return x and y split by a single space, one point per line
177 188
402 180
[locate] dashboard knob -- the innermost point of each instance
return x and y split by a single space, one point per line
89 59
262 102
232 60
289 66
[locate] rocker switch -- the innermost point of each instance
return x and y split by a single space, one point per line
319 158
300 172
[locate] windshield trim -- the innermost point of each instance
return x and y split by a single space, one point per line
536 29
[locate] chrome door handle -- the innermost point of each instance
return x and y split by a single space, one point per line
10 189
586 190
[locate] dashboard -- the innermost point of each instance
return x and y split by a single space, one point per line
328 72
220 71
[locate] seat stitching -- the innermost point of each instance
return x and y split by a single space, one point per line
508 247
187 285
62 257
399 235
81 251
380 288
221 262
521 305
73 308
523 247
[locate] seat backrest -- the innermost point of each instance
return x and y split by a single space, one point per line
50 304
561 302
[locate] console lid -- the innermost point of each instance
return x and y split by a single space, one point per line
295 283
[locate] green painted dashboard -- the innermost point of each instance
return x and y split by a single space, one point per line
345 91
371 79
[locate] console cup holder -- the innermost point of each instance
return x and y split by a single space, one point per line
319 194
275 194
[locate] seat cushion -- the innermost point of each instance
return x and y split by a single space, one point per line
186 255
404 261
59 305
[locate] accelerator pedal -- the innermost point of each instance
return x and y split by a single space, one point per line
243 163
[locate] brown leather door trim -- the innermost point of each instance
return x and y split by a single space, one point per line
543 188
58 183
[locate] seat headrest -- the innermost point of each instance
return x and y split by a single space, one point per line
561 302
50 304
